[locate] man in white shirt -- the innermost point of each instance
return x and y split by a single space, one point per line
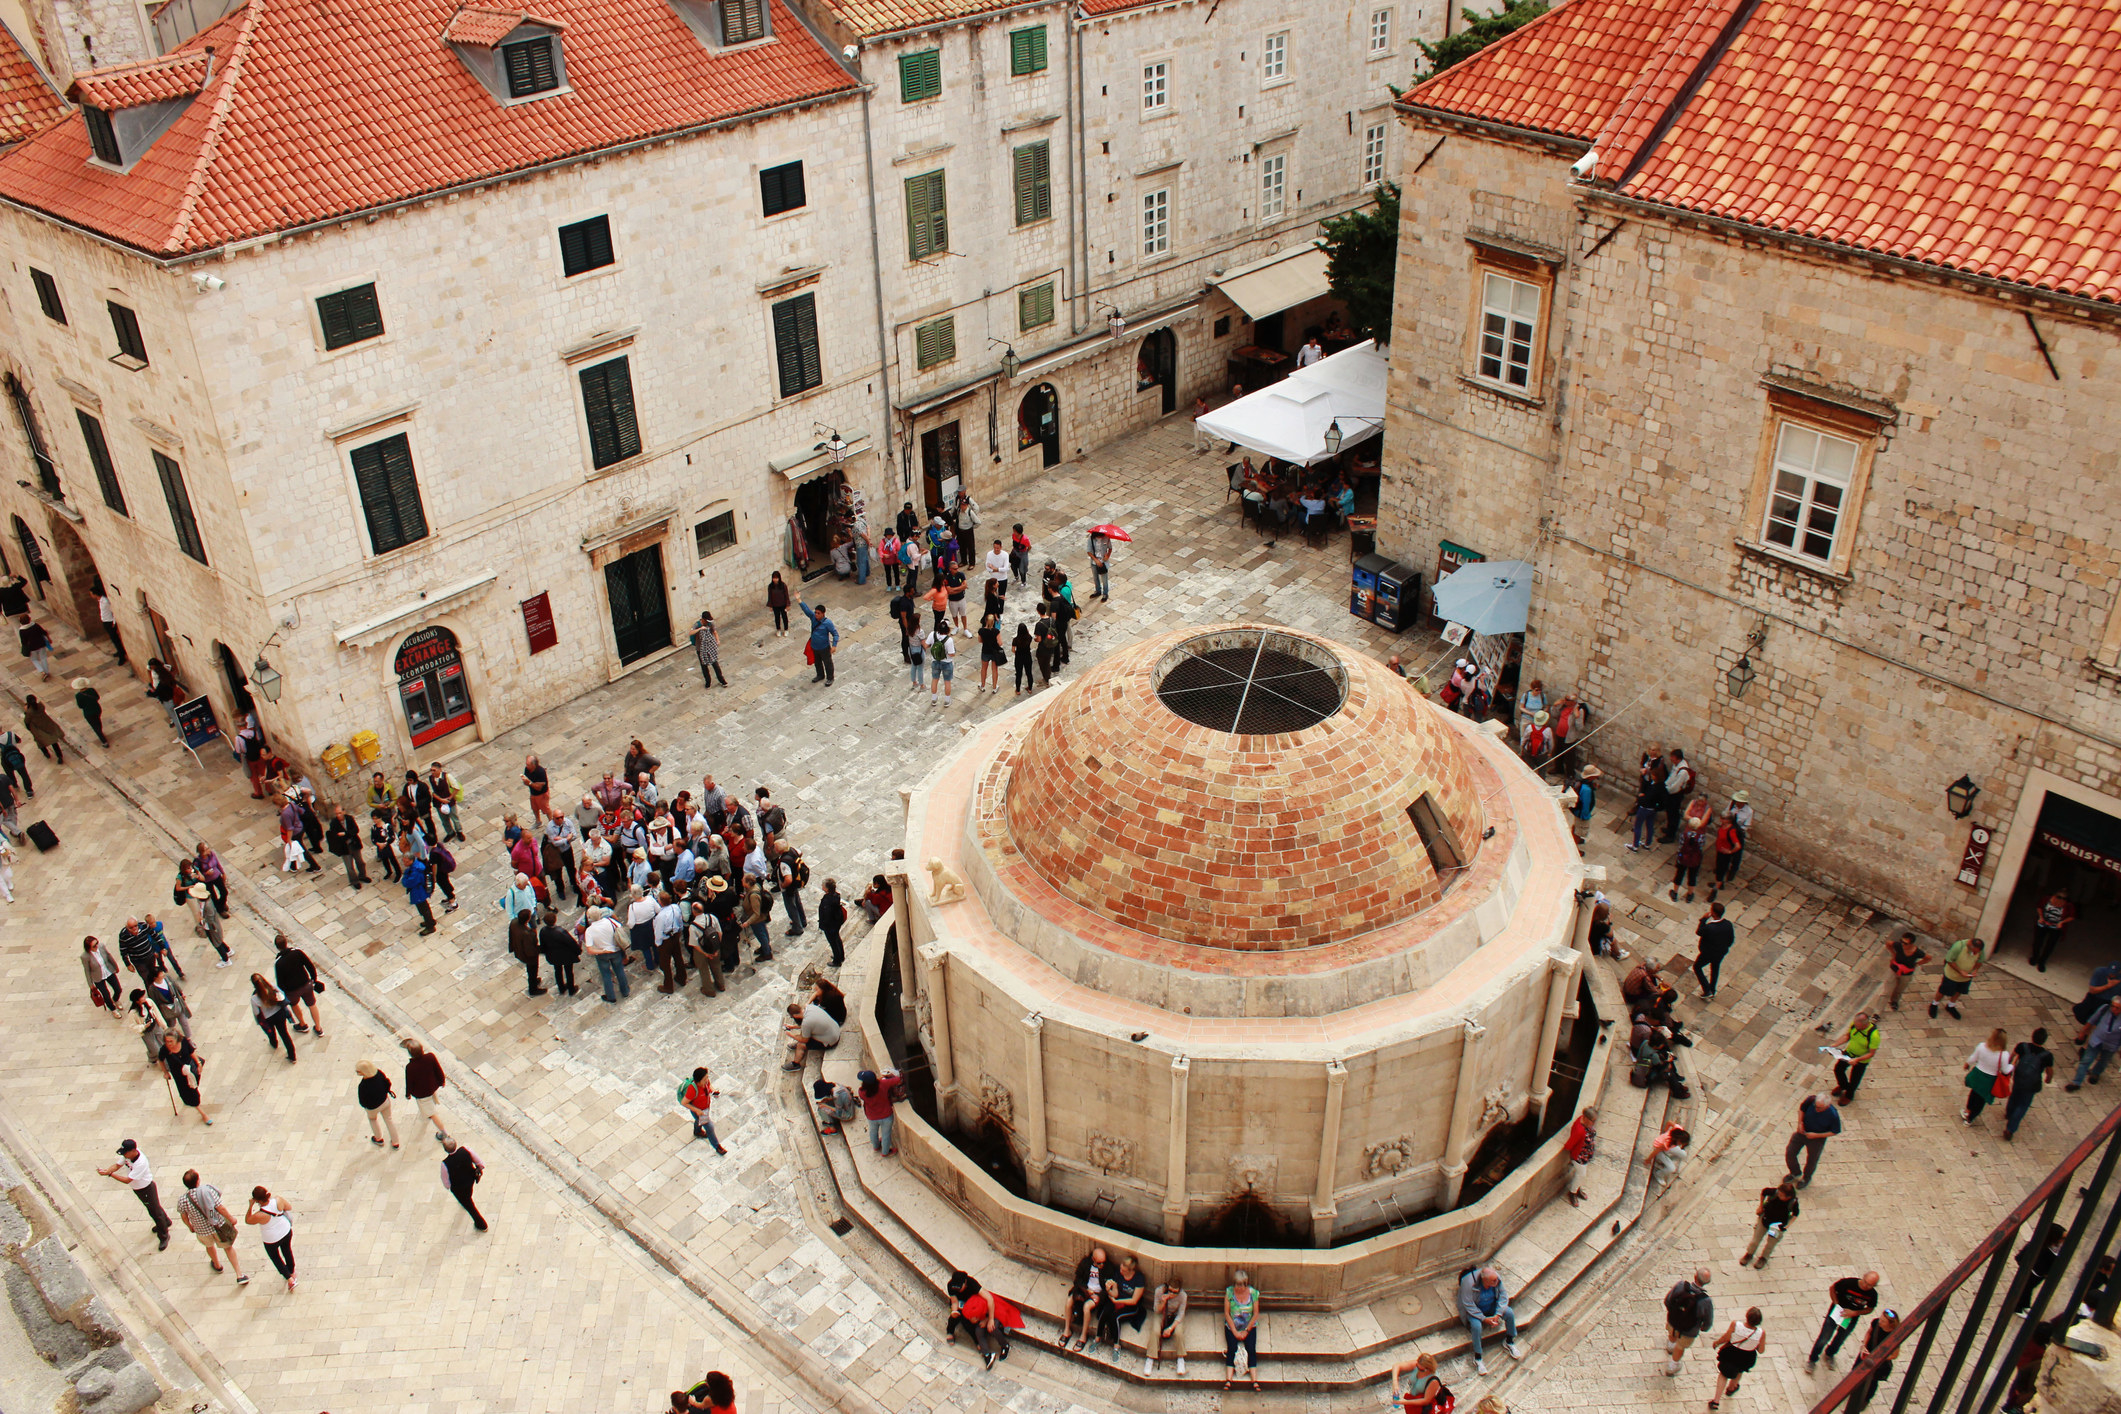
997 569
670 942
132 1170
109 615
813 1029
1310 353
601 941
640 927
942 661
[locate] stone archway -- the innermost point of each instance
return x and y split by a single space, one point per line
72 596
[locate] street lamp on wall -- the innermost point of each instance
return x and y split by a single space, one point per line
834 445
1116 321
1959 795
1742 675
265 677
1010 362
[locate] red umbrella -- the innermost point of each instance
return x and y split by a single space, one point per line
1111 532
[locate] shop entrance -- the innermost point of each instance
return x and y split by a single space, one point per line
940 470
238 683
1158 364
2075 848
814 500
1038 423
431 685
640 610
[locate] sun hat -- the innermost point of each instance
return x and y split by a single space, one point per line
81 684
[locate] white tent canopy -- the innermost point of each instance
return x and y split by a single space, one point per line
1289 420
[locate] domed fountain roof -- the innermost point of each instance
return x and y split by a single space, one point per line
1244 787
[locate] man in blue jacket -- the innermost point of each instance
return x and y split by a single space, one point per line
1485 1309
823 639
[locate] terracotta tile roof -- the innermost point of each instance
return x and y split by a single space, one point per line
28 102
123 86
1107 7
1563 73
1976 135
873 17
485 28
321 110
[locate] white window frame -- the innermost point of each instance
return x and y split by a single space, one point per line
1373 154
1797 476
1274 58
1273 186
1156 223
1500 309
1156 87
1380 33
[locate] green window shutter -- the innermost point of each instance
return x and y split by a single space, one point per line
935 342
1034 183
1034 306
927 215
920 75
795 344
607 405
99 458
1027 51
390 493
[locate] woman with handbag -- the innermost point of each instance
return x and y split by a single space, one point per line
1988 1075
269 1009
1736 1351
275 1215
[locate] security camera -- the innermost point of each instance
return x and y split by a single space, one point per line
207 284
849 52
1582 168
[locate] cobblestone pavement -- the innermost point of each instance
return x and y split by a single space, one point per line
595 1081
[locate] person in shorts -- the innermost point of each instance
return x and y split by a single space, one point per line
210 1221
1961 961
942 661
423 1081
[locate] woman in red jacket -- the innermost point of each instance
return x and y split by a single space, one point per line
876 1108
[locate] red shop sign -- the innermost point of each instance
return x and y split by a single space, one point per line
538 624
1976 855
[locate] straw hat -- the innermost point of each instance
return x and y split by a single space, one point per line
1739 797
716 884
1539 719
81 684
198 891
1591 773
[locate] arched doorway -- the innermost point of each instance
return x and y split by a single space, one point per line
238 681
38 573
78 578
1038 422
1157 364
431 686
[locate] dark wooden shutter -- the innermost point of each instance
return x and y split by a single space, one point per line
390 493
349 316
795 344
1027 51
927 215
533 67
743 21
920 75
586 245
781 188
126 325
1034 183
48 295
180 513
99 458
607 403
102 138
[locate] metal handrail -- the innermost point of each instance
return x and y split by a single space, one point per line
1992 1252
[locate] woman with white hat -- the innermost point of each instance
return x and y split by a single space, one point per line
91 704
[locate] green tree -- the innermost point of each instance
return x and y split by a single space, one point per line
1479 33
1362 249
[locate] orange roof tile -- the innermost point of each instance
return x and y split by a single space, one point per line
123 86
485 28
28 101
1563 73
317 111
874 17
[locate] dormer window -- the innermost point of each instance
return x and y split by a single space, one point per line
102 138
515 55
126 107
743 20
720 23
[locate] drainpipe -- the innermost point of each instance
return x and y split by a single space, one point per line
1082 182
876 273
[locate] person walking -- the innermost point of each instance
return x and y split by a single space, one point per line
1736 1351
1902 956
1688 1311
298 981
601 941
133 1170
560 948
101 971
170 1004
1715 937
1850 1300
270 1010
36 645
824 637
374 1092
1817 1122
707 646
2105 985
791 873
210 1221
461 1172
1581 1147
777 600
414 879
697 1097
162 687
2102 1041
1961 962
184 1066
2054 915
1988 1075
1882 1327
423 1083
1777 1209
276 1217
831 917
2032 1068
43 730
342 837
1484 1308
90 703
1859 1047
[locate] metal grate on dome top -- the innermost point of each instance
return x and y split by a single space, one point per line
1251 682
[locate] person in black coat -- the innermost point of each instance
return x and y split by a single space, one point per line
343 838
831 917
461 1172
561 950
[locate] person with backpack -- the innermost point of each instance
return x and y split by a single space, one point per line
1693 843
1771 1220
1586 803
697 1096
1850 1299
1737 1349
942 661
1730 852
1678 786
2032 1066
1688 1312
1535 741
1860 1047
1426 1393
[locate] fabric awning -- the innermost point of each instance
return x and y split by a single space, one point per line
1281 281
1288 421
1487 596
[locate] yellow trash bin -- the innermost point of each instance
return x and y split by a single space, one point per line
338 760
366 747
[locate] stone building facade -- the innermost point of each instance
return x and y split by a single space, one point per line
1883 477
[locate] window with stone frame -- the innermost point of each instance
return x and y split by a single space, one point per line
1273 186
1511 296
1156 86
1274 58
1373 154
1380 32
1156 223
1809 478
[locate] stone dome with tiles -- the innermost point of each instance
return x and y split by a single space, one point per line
1246 788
